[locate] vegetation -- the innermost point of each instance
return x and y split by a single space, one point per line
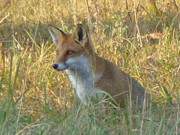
142 37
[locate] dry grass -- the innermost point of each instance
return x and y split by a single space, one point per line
34 99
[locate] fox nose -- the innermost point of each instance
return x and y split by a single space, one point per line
55 66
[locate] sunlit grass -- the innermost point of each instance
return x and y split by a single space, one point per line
35 99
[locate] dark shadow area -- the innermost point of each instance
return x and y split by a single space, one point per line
150 27
28 33
24 33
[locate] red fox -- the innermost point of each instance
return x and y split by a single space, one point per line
88 72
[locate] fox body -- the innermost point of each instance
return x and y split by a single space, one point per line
88 72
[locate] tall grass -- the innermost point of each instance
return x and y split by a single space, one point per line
35 99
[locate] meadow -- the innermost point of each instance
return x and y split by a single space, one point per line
141 37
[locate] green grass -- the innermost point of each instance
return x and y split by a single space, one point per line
35 99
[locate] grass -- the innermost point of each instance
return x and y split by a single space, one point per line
34 99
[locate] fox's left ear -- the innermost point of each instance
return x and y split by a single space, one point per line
81 34
56 34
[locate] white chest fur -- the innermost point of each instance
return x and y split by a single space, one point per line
81 77
81 86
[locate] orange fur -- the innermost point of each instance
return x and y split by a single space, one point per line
89 72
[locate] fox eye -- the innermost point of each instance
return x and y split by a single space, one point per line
70 52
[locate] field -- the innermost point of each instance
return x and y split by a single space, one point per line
141 37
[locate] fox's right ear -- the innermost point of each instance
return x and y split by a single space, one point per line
56 34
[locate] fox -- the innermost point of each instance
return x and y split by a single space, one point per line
88 72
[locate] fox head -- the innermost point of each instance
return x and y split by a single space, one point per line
72 49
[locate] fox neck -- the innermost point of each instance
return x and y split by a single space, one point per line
82 78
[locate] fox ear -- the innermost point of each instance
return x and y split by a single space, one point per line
56 34
81 34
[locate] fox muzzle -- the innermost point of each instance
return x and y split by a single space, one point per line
60 66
